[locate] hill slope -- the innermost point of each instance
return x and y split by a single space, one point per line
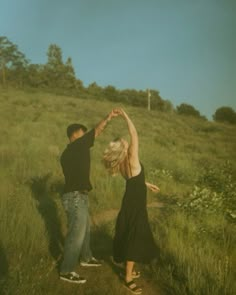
175 151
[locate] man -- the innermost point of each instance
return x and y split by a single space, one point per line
75 162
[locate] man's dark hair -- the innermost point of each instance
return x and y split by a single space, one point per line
74 127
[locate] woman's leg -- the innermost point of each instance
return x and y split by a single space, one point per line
129 271
129 283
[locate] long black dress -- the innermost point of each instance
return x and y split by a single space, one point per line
133 239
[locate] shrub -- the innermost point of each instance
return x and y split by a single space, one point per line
225 114
215 193
187 109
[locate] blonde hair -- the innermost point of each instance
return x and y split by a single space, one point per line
114 155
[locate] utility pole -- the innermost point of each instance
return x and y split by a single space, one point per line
149 99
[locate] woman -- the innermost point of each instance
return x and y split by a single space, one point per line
133 240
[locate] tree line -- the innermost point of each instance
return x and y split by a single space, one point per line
59 77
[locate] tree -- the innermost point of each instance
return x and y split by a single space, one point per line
69 77
187 109
133 97
36 75
54 54
110 93
58 74
168 106
225 114
79 86
157 103
69 68
94 90
54 67
11 59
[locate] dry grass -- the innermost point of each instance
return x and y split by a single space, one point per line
173 150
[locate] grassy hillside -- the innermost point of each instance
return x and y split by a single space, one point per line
192 161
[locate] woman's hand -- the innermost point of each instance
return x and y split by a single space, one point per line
120 112
152 187
113 114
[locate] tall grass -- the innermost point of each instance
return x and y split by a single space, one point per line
194 261
173 150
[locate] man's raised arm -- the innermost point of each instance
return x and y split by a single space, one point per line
101 125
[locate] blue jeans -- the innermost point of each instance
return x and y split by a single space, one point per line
77 242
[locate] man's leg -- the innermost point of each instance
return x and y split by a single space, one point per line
87 258
86 253
77 212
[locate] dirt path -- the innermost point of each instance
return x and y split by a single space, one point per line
110 271
112 284
104 280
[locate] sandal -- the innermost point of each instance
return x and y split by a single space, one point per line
131 286
135 275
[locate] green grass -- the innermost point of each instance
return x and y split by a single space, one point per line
174 150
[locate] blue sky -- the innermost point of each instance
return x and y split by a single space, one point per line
186 49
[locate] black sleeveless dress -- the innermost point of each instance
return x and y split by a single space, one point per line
133 239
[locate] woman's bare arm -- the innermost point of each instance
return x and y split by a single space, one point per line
134 144
152 187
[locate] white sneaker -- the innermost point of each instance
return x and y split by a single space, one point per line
72 277
92 262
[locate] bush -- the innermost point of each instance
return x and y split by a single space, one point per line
187 109
215 193
225 114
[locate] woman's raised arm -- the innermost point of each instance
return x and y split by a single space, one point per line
134 142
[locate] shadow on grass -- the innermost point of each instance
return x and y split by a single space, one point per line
42 192
102 247
101 242
3 268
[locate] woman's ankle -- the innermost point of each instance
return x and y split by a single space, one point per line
128 278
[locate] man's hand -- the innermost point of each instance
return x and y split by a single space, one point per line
119 112
114 113
152 187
